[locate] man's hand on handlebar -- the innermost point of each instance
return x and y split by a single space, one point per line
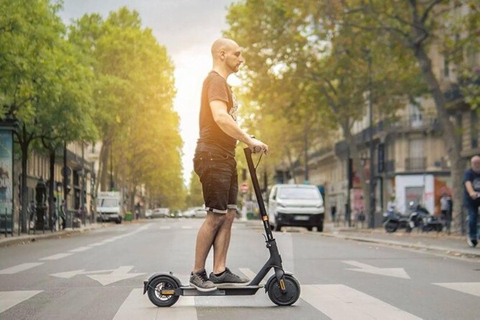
257 146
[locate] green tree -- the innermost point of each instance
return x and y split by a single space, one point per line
30 81
315 72
133 93
419 26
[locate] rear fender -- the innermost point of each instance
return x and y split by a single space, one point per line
146 283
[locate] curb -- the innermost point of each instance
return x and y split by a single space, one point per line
430 248
23 239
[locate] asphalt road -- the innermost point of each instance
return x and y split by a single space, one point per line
99 275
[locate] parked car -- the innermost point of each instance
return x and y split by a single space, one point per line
148 213
160 213
296 205
195 212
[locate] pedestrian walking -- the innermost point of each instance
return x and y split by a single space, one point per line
471 198
445 209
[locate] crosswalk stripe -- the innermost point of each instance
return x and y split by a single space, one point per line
165 227
472 288
342 302
187 227
138 306
9 299
81 249
20 268
56 256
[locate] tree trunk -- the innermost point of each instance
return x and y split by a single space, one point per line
103 166
51 187
24 148
451 135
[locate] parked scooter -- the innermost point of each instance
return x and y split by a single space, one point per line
393 221
422 219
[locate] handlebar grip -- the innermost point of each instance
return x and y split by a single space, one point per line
257 149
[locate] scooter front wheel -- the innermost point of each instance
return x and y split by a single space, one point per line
155 294
291 294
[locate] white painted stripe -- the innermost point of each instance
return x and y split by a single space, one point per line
165 227
81 249
187 227
472 288
248 273
96 244
251 275
20 268
9 299
138 306
342 302
56 256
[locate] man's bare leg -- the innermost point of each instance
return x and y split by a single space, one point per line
221 243
205 238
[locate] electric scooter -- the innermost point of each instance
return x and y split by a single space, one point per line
164 289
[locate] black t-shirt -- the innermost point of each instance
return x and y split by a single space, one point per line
474 178
212 138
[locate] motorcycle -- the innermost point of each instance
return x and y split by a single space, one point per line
393 221
422 219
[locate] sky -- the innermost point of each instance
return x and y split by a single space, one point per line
187 28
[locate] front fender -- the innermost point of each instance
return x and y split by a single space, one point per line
146 283
273 277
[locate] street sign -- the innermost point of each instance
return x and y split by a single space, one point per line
244 187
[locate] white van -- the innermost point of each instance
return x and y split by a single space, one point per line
109 206
296 205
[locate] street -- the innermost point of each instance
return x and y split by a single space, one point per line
99 275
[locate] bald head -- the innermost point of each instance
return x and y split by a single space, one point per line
222 44
227 56
475 163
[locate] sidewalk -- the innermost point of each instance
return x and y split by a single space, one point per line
454 244
26 238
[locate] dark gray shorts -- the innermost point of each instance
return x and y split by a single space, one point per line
218 175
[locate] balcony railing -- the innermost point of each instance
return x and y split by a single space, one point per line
415 164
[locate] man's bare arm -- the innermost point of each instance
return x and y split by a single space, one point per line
471 192
230 127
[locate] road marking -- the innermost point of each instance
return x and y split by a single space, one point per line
187 227
20 268
251 275
9 299
390 272
165 227
96 244
342 302
138 306
81 249
113 275
472 288
56 256
119 274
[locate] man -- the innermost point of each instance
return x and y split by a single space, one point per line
471 181
214 163
445 202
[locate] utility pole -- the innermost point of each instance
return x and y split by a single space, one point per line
372 147
82 189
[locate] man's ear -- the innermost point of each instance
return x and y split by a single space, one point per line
222 55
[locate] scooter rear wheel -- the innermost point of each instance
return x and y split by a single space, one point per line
156 286
292 292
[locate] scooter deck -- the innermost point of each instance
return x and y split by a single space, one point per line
222 291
